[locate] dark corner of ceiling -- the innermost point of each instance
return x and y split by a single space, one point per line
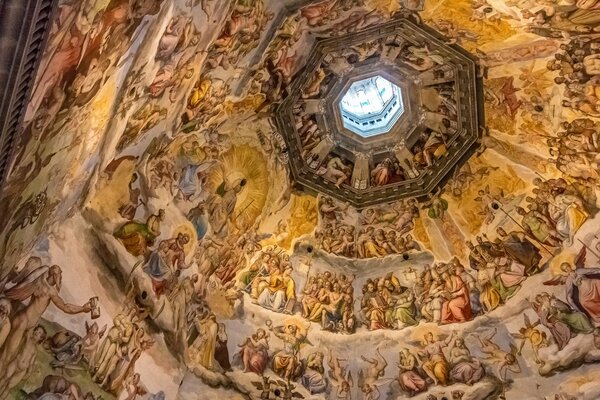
24 27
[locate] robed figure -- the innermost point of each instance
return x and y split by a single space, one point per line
520 249
582 286
221 207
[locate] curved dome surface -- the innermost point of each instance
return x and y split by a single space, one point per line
190 214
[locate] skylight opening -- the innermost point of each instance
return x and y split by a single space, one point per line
371 106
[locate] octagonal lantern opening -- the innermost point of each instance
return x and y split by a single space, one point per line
342 123
371 106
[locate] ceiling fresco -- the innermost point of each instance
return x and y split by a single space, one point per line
186 216
409 145
371 106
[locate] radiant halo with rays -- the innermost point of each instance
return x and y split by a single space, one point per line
244 162
187 229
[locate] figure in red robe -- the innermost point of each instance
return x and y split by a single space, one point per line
582 286
457 308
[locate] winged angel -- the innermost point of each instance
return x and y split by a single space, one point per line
340 377
504 362
582 286
530 333
370 377
267 387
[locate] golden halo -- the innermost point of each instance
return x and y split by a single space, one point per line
187 228
303 326
243 162
567 256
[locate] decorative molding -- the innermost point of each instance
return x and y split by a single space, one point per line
462 135
24 28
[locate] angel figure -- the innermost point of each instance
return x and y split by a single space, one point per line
286 362
534 336
254 353
560 319
436 205
409 379
288 391
505 362
582 286
340 378
535 82
374 371
370 392
264 387
432 355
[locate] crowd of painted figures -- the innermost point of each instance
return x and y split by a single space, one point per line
383 231
444 293
218 257
441 360
556 211
317 148
269 281
553 20
449 292
578 66
88 43
109 355
447 360
436 361
329 300
576 149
